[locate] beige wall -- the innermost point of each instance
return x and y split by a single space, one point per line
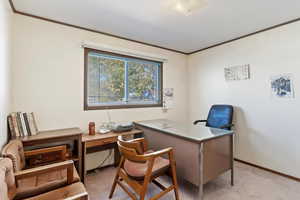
5 38
48 66
267 129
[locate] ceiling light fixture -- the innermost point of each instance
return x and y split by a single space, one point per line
188 6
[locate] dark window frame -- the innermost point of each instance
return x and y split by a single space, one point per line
125 106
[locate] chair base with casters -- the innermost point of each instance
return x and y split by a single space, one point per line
139 167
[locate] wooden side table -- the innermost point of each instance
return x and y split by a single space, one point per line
101 142
60 135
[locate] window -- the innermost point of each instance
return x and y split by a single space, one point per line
119 81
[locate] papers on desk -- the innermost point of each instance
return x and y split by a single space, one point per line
104 130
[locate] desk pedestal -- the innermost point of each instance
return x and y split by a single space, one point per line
196 162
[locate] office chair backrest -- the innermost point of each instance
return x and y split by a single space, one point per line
220 115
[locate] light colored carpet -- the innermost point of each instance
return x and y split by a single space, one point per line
250 184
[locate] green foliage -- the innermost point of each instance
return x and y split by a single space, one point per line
142 79
106 79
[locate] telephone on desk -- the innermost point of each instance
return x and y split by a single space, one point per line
122 127
117 127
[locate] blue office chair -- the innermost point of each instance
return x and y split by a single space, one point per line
219 116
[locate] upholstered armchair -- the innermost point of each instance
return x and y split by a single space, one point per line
9 190
37 180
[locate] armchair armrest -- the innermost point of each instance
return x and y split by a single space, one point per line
62 149
75 191
47 168
197 121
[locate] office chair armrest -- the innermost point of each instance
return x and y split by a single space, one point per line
227 126
197 121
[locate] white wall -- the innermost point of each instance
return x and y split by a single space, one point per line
48 70
5 38
267 129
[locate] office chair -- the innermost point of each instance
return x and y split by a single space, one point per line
219 116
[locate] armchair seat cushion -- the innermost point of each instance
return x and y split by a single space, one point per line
138 170
36 185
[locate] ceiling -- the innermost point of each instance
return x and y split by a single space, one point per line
156 23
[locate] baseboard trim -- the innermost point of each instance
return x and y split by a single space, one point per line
269 170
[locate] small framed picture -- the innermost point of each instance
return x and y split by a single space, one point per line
236 73
282 86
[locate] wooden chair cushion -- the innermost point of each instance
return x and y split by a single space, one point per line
43 183
15 151
70 191
138 170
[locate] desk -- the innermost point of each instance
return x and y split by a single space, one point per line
54 136
201 153
100 142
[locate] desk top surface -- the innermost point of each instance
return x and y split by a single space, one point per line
197 133
99 136
59 133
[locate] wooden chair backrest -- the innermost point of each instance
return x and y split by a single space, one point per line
131 150
14 150
137 146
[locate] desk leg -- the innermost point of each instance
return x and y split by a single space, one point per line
80 156
117 156
200 194
83 162
232 159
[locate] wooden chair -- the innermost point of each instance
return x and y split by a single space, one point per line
10 190
139 167
40 179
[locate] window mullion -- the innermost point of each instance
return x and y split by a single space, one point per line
157 84
126 82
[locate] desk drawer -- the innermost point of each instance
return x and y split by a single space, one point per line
101 142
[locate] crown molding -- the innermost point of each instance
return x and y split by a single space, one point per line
90 30
247 35
145 43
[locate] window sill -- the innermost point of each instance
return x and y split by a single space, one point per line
86 107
